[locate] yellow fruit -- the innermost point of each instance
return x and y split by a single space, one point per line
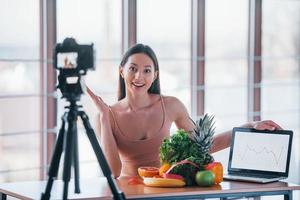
165 167
163 182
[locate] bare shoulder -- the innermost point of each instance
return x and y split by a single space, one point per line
171 101
114 109
174 107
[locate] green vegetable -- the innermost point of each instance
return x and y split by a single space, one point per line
178 147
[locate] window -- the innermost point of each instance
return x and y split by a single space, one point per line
226 62
280 76
20 124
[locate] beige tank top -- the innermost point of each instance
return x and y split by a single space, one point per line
137 153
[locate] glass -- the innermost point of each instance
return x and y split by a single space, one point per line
20 175
20 157
226 73
19 39
170 71
281 76
280 70
175 80
226 28
20 114
228 105
226 43
105 78
167 32
92 21
281 98
19 35
226 92
280 28
19 77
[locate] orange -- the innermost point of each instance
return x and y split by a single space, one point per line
164 168
148 171
217 169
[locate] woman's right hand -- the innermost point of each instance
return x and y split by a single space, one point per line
101 105
107 140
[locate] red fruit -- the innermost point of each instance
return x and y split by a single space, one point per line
135 181
148 171
217 169
173 176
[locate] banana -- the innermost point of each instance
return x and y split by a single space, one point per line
163 182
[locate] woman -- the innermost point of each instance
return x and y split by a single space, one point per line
132 130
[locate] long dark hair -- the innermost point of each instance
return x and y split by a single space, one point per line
145 49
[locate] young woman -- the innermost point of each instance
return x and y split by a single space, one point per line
132 130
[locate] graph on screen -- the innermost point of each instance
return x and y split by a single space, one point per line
258 151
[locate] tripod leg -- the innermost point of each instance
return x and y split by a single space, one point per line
68 151
54 165
75 161
118 195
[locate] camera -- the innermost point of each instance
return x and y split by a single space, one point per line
72 60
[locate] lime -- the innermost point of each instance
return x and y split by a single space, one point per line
205 178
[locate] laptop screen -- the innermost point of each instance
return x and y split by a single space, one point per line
267 151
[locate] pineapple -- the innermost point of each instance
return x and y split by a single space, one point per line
202 135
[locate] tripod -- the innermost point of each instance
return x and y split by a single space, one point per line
67 141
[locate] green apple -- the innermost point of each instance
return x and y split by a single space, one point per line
205 178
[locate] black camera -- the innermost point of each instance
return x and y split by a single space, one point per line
72 60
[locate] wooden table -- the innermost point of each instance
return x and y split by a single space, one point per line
97 188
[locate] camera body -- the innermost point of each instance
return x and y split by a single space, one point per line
72 60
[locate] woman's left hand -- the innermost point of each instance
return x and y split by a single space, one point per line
264 125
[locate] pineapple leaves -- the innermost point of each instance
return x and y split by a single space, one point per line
203 133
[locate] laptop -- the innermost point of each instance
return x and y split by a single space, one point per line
259 156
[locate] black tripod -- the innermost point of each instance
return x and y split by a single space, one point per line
67 141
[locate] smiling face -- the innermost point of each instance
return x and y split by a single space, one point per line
138 73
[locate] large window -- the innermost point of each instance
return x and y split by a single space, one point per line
226 61
20 124
281 69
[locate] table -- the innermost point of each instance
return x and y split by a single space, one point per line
97 188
